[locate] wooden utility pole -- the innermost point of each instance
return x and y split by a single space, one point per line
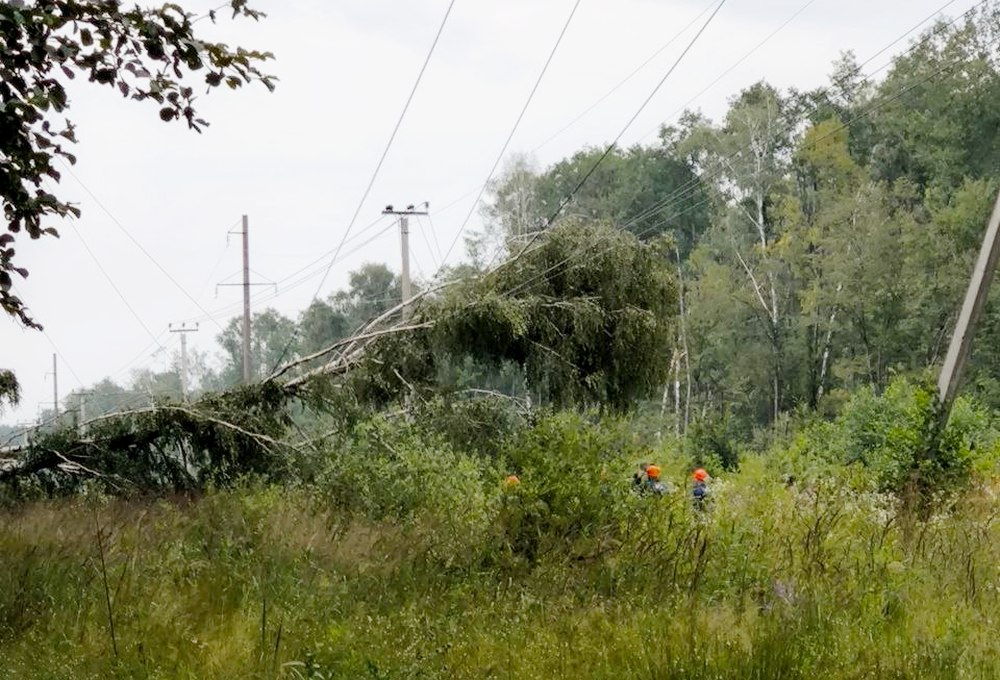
404 238
972 309
184 329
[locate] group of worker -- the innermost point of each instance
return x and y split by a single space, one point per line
646 480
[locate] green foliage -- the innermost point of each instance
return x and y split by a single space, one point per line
574 474
480 424
373 579
587 324
10 389
385 472
273 338
647 191
712 443
220 439
933 114
895 437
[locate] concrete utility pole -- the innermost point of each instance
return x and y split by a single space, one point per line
246 300
404 238
245 233
55 385
972 309
81 426
184 329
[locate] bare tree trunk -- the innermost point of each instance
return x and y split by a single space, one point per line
674 364
684 342
677 400
825 361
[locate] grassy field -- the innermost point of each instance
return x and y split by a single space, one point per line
774 580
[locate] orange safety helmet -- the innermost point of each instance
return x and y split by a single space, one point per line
512 480
700 475
653 472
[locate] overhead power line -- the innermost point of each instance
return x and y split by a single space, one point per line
267 296
687 189
607 152
631 75
135 241
756 47
513 130
385 152
591 251
621 83
112 283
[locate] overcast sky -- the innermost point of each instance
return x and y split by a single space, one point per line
297 161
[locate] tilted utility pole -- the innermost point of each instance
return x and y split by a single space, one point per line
183 329
245 233
972 309
404 238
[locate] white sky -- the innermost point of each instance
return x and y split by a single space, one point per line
297 161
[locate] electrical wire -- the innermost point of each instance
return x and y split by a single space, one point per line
614 143
378 167
594 105
388 145
513 130
768 38
591 247
135 241
111 282
423 235
267 296
694 184
621 83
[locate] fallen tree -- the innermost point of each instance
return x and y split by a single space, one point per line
582 330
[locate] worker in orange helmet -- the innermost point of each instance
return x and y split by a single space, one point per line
700 490
648 480
511 481
655 485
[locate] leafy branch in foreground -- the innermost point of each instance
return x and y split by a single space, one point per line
147 54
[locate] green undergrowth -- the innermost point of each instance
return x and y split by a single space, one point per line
770 582
400 553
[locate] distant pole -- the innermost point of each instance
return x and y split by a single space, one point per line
183 329
404 239
55 385
972 309
82 425
246 300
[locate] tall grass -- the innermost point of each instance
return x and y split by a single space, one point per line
403 557
771 582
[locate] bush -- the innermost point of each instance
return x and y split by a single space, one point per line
384 471
712 443
896 438
574 475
